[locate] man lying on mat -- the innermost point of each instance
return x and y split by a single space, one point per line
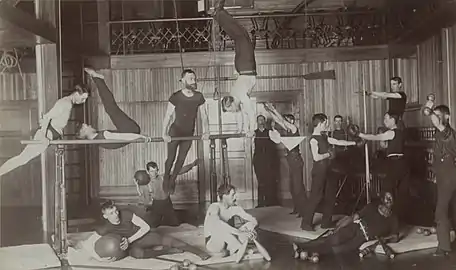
222 238
375 220
137 238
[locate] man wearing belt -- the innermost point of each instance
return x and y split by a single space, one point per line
395 161
264 163
245 64
445 170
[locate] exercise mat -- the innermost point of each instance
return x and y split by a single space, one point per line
412 241
28 257
278 219
186 233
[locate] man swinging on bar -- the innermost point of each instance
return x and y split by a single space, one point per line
179 121
126 128
245 64
51 128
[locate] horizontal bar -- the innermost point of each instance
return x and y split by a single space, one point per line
248 17
257 77
156 139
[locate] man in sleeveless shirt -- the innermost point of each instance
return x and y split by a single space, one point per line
444 167
221 236
320 189
244 61
397 99
264 163
395 161
179 121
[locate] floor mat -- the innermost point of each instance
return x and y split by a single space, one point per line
186 233
279 220
411 242
28 257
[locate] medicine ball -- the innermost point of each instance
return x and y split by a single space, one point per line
109 246
142 177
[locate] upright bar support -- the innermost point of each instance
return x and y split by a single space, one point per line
225 166
57 233
213 168
60 173
366 149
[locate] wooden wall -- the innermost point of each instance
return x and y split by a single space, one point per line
18 117
143 94
436 69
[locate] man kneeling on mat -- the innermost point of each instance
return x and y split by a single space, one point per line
222 237
136 237
375 220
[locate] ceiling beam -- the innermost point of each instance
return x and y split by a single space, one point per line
27 22
444 16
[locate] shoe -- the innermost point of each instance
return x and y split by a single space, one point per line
440 253
328 225
294 212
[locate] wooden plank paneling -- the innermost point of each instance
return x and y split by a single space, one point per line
263 57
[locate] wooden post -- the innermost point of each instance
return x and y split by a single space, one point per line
48 82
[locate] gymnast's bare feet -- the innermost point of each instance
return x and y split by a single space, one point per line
93 73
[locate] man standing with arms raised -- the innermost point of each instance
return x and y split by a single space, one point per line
397 99
183 108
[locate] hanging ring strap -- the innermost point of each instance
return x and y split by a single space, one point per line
178 34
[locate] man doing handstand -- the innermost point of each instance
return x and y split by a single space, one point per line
245 64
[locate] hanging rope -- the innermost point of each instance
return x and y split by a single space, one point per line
178 34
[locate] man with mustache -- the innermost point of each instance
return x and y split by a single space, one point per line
183 109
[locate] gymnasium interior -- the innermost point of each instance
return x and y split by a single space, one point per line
141 48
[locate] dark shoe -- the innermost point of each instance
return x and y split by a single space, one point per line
328 225
440 253
294 212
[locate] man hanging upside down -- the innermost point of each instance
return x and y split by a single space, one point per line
51 128
137 238
222 238
126 128
245 64
183 108
375 220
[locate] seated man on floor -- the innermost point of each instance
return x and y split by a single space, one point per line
221 236
137 238
376 220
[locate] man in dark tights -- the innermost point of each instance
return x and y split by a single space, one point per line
137 238
395 161
264 164
375 220
294 158
245 64
126 128
444 167
183 108
322 188
397 99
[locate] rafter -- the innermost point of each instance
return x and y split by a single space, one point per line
20 19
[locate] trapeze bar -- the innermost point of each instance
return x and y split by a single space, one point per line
156 139
247 17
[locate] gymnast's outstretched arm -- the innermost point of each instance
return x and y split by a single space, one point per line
340 142
386 136
278 118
